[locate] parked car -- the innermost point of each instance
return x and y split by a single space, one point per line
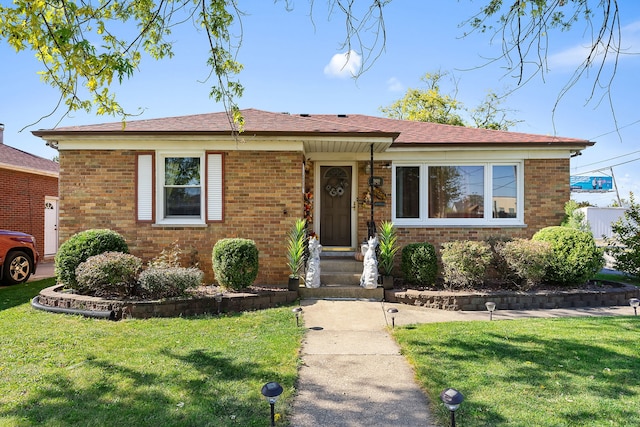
18 257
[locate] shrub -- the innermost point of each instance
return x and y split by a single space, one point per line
465 262
235 263
167 282
624 246
419 263
528 259
174 256
80 247
108 274
575 257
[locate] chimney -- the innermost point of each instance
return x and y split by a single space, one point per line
1 133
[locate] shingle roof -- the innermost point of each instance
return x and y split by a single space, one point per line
13 158
259 122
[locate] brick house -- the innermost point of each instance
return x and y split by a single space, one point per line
29 187
189 179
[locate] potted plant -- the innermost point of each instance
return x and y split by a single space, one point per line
295 252
388 250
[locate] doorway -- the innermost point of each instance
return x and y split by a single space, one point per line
336 202
50 226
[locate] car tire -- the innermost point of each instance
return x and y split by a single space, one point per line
17 268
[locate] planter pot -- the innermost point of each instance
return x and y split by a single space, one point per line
294 283
387 282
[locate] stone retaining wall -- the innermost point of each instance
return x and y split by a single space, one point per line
174 307
474 301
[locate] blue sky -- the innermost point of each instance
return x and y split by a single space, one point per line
287 59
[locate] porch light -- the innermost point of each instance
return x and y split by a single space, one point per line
297 311
271 391
491 306
392 312
452 399
634 302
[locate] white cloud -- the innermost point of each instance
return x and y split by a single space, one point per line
575 56
394 85
344 65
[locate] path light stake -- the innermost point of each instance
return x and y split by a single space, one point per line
393 312
271 391
218 297
452 399
634 302
491 306
296 311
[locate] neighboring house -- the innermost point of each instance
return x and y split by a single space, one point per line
189 179
29 203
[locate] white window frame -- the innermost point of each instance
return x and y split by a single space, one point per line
160 186
488 221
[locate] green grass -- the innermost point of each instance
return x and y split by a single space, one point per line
536 372
60 370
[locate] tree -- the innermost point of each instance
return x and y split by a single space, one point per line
624 245
427 105
525 30
431 105
84 45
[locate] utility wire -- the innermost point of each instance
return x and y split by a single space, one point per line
608 167
606 160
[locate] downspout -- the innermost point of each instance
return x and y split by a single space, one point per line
110 314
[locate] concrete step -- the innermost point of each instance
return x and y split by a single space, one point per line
340 279
342 292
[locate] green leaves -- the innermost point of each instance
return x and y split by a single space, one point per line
84 47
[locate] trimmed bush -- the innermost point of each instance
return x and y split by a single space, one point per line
80 247
528 259
419 263
167 282
575 257
108 274
465 262
235 263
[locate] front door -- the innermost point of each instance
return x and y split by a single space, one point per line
335 205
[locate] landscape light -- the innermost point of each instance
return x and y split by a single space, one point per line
297 311
271 391
491 306
452 399
634 302
218 298
392 312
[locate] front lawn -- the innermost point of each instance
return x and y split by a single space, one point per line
60 370
535 372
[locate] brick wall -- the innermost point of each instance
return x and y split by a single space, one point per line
22 205
263 197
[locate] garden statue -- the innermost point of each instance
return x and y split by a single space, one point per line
369 278
312 279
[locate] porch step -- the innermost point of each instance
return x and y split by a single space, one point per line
342 292
340 279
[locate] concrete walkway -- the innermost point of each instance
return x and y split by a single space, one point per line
352 372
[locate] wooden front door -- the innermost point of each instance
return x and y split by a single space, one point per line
335 205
